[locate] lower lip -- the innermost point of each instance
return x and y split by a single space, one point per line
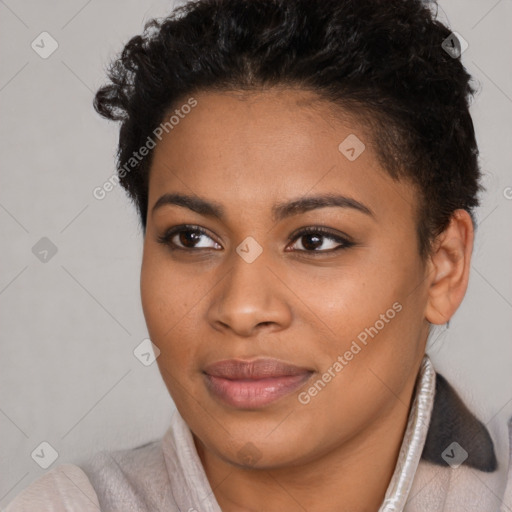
254 393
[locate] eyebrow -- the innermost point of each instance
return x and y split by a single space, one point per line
280 211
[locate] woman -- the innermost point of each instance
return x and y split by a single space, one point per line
306 173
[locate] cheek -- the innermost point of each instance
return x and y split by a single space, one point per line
370 302
351 297
166 298
172 302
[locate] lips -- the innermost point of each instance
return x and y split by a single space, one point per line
253 384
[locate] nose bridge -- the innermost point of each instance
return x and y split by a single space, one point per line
249 296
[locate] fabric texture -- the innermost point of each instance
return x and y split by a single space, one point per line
432 474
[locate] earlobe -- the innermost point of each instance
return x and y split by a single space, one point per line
450 262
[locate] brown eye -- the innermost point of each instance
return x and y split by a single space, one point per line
319 240
188 238
312 242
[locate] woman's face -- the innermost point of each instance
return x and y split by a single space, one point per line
280 345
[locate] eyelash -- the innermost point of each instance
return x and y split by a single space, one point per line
345 243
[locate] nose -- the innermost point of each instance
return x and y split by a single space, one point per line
249 299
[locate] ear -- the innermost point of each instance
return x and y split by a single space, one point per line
449 264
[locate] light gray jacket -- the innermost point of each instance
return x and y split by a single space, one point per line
447 462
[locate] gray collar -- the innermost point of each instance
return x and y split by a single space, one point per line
413 441
440 430
452 422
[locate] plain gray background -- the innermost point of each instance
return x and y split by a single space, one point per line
69 325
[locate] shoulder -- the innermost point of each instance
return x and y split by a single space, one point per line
464 466
134 479
63 488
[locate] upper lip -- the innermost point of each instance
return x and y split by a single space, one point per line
257 369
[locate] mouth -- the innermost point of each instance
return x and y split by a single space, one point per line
253 384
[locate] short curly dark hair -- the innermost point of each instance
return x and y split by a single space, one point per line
380 60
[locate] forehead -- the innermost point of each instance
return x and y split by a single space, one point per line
252 148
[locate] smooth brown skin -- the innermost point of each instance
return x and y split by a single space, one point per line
247 152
